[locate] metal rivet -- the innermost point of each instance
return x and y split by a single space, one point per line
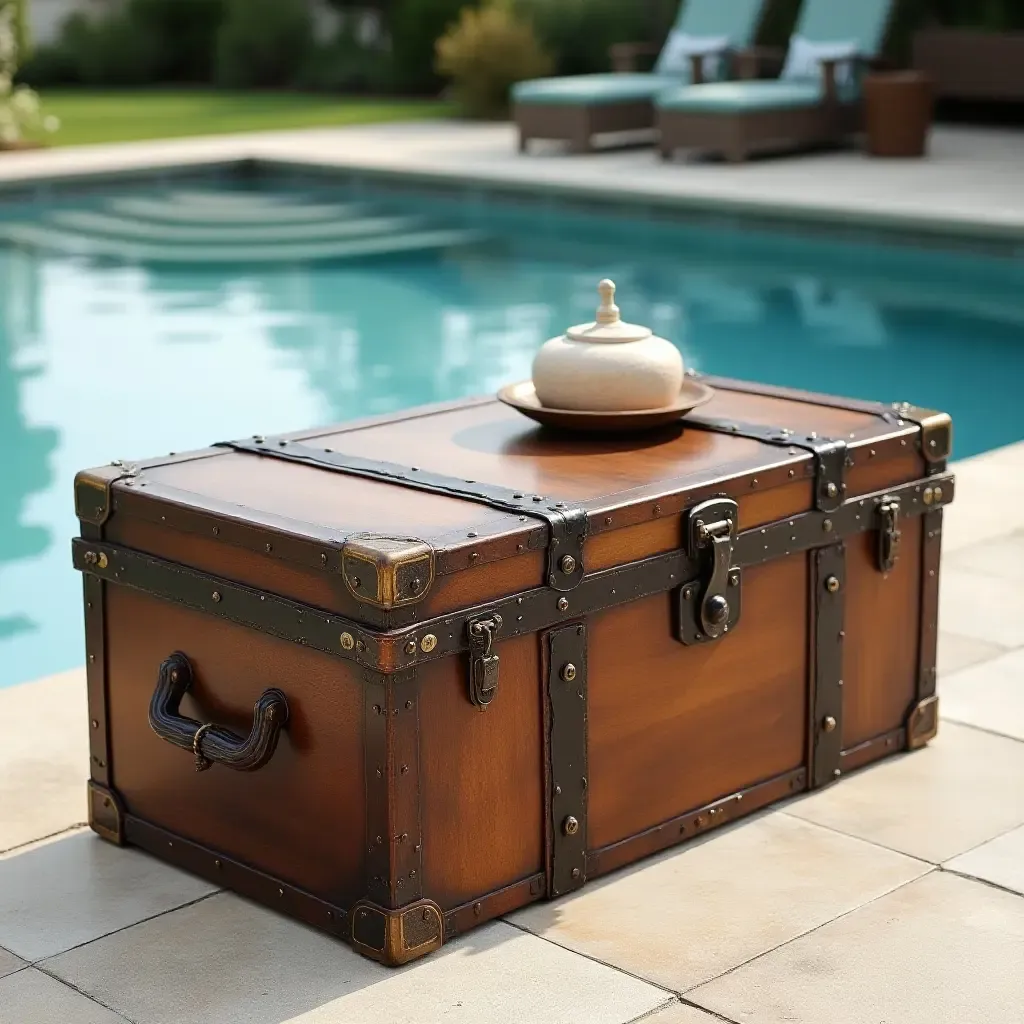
938 497
217 864
360 646
270 547
428 643
356 582
831 490
472 533
216 595
570 826
734 580
95 724
410 647
929 496
575 872
568 672
827 525
567 564
657 510
478 909
408 705
538 497
836 773
828 724
558 790
754 482
404 768
280 892
832 584
376 709
347 641
687 593
416 585
607 520
792 472
323 559
563 604
701 821
518 494
426 915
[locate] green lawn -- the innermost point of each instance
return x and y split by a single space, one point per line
89 116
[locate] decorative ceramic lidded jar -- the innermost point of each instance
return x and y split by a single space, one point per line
608 365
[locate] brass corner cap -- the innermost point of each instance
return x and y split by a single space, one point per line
387 572
106 813
394 937
92 493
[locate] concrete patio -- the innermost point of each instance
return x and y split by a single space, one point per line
897 896
970 184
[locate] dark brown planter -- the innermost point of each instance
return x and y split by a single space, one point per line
898 113
972 65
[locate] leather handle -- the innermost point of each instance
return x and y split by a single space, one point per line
214 744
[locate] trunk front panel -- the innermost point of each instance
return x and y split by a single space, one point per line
300 817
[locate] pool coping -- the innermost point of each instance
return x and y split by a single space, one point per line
908 228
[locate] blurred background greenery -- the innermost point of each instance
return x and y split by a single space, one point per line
276 44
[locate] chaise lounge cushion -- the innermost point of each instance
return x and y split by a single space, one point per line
748 97
595 89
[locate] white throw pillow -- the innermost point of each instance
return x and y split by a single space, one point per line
679 47
804 60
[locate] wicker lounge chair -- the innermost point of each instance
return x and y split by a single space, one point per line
575 108
816 101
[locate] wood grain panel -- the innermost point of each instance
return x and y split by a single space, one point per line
882 628
301 817
672 728
481 777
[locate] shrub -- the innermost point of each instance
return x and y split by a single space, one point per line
485 54
186 31
416 26
20 111
263 42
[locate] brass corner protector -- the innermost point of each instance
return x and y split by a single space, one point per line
388 572
936 436
92 493
923 722
106 813
394 937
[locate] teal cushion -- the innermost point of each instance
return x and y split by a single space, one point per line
741 97
594 89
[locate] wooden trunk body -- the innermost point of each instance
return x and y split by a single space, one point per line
487 698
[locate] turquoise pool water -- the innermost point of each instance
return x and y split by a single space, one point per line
135 324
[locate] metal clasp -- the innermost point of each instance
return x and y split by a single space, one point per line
888 533
483 662
708 611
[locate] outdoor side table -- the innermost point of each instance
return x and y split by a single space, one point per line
897 113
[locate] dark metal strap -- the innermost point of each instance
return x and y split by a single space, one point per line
523 613
567 711
568 525
829 453
829 583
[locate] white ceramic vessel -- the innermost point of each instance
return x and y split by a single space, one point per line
608 365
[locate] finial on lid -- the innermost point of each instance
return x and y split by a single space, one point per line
607 312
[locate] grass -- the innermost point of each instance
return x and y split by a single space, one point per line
89 116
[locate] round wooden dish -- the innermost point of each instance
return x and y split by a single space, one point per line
524 398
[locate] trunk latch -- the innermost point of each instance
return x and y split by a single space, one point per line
888 533
483 662
709 608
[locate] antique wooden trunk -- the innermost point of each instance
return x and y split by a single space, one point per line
399 677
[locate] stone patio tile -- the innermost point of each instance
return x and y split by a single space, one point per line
65 891
940 949
31 997
957 652
1000 861
227 961
689 915
44 757
679 1013
990 695
964 592
1002 557
958 792
974 517
9 963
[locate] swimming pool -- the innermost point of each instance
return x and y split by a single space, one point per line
135 323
